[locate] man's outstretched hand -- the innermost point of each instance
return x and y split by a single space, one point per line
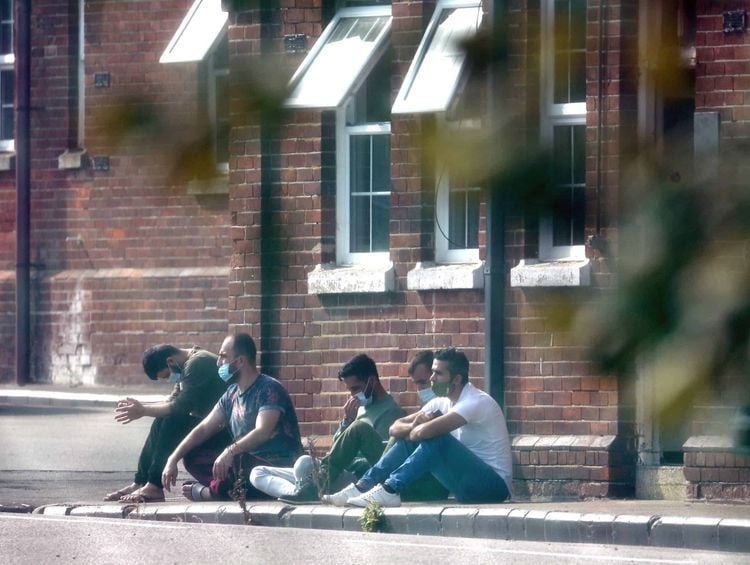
128 410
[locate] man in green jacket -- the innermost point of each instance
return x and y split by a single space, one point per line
359 441
197 389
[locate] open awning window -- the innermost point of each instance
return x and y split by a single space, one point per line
434 74
197 33
348 49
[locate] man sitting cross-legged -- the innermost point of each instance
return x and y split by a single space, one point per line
258 411
460 438
358 443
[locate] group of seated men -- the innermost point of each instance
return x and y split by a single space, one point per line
234 427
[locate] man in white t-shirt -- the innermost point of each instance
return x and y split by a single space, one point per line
460 438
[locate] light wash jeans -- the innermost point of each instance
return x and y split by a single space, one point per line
460 471
281 481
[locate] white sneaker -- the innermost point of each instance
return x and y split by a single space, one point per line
339 498
376 494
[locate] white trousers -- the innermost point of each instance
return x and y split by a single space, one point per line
281 481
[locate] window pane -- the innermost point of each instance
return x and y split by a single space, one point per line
569 161
569 51
360 224
463 215
6 27
369 174
359 167
381 159
457 220
6 104
381 217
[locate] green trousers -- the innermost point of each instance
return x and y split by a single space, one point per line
361 441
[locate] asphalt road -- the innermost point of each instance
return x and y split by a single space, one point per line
38 539
57 455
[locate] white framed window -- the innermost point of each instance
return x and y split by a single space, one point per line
563 126
347 70
7 77
435 72
457 203
202 37
363 171
341 58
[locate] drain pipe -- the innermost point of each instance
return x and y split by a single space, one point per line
494 267
23 191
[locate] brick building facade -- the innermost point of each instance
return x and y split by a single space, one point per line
341 231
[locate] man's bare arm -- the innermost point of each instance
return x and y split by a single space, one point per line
210 425
403 426
265 425
437 426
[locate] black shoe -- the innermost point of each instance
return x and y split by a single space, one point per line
306 492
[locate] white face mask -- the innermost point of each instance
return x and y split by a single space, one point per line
364 400
425 395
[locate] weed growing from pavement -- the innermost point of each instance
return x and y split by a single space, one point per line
372 517
239 490
319 472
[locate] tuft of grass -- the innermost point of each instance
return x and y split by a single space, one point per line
372 518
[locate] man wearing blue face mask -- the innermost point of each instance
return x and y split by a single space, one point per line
259 412
358 443
460 438
197 388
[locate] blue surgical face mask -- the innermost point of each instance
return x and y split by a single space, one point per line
226 373
175 373
425 395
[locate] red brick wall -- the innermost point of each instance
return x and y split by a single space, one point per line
722 67
306 338
89 227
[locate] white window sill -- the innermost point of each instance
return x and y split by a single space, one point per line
338 279
561 272
72 159
7 161
431 276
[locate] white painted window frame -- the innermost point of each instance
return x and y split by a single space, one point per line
447 84
344 132
569 114
443 253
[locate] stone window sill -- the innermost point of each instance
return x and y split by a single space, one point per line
73 159
339 279
7 161
431 276
560 273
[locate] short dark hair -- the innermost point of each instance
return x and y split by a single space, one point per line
243 344
457 362
155 359
421 358
359 366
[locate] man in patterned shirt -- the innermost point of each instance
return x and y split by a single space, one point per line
259 413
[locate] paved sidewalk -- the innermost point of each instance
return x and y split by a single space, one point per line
690 525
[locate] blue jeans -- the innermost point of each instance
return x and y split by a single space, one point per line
460 471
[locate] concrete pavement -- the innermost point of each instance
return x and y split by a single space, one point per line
690 525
